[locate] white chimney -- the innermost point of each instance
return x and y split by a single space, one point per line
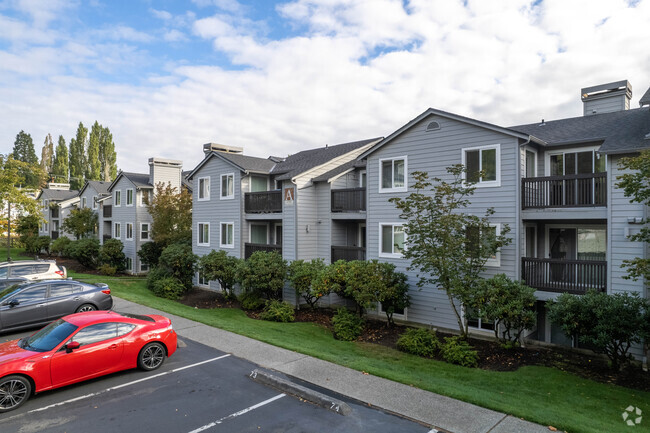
165 171
606 98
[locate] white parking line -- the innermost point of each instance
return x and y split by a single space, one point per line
236 414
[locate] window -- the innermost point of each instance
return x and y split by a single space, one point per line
83 202
572 162
201 280
117 231
33 294
129 197
483 165
227 239
95 202
144 267
57 290
475 321
227 186
117 198
144 231
129 264
392 174
475 240
96 333
204 188
258 184
145 197
129 231
203 234
433 126
391 240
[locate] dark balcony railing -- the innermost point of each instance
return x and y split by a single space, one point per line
577 190
559 275
348 253
249 248
108 211
349 200
55 235
54 212
106 237
263 202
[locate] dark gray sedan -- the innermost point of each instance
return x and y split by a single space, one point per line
29 305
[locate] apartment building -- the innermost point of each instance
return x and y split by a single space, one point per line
57 201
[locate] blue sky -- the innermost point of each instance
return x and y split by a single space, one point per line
277 77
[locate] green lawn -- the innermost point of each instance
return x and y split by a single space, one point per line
543 395
16 253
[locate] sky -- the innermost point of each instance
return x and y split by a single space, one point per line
167 76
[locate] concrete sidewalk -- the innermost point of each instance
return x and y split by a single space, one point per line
431 409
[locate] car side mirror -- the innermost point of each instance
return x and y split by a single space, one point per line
13 302
71 346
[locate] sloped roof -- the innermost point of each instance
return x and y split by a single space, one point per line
617 132
140 180
242 162
185 180
645 99
98 185
308 159
57 194
355 163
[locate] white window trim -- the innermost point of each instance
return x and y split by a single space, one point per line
199 231
148 232
206 196
129 264
547 246
83 202
362 174
227 197
221 244
141 196
475 329
594 149
250 182
250 231
115 225
144 270
126 232
489 183
116 202
496 261
132 197
95 202
406 171
533 151
390 255
381 312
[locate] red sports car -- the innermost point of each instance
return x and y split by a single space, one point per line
80 347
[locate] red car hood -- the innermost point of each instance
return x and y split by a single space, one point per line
10 351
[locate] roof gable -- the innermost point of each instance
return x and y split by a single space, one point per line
248 164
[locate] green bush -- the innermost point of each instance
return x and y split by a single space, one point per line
302 274
263 273
43 244
221 267
179 260
108 270
59 245
37 244
278 311
250 301
112 254
418 341
156 274
169 287
347 325
457 351
150 252
86 252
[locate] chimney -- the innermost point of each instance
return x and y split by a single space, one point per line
59 186
165 171
606 98
215 147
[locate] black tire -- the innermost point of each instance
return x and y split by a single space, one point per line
86 307
151 356
14 391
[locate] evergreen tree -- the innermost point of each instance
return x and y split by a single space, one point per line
24 148
77 161
93 168
107 155
60 165
47 154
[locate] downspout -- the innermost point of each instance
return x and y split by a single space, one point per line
518 205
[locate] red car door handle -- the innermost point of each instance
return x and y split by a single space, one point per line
113 346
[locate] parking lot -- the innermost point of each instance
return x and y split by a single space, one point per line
197 389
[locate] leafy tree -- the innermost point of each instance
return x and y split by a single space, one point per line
24 148
333 279
171 212
93 166
263 273
448 246
150 253
86 252
59 170
608 323
301 274
27 229
107 155
112 254
179 260
81 223
77 159
47 154
221 267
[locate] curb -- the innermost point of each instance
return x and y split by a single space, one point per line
300 391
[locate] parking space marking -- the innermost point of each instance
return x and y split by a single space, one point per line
236 414
72 400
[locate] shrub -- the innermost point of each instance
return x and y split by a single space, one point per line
180 261
418 341
608 323
333 278
347 325
69 249
156 274
264 273
302 274
112 254
457 351
36 244
59 245
86 252
43 244
150 253
221 267
250 301
106 269
169 287
278 311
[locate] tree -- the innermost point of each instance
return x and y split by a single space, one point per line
107 155
179 260
171 212
24 148
447 246
302 274
263 273
93 166
81 223
59 170
77 160
221 267
47 154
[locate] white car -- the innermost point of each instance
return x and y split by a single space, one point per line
33 270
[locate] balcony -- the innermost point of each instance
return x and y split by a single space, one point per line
577 190
263 202
54 212
105 238
564 276
347 253
55 235
108 211
349 200
249 248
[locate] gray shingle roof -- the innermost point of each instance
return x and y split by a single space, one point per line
340 169
100 186
57 194
140 180
645 99
249 163
619 132
308 159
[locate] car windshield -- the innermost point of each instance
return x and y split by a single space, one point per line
49 337
4 294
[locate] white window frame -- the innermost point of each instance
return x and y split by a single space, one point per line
406 170
230 196
393 255
117 230
117 198
484 183
129 190
83 202
381 312
479 329
363 174
126 233
201 280
221 243
95 202
143 193
129 264
148 238
206 189
496 261
199 234
593 149
144 267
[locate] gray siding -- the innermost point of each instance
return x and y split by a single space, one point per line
307 223
124 214
324 224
